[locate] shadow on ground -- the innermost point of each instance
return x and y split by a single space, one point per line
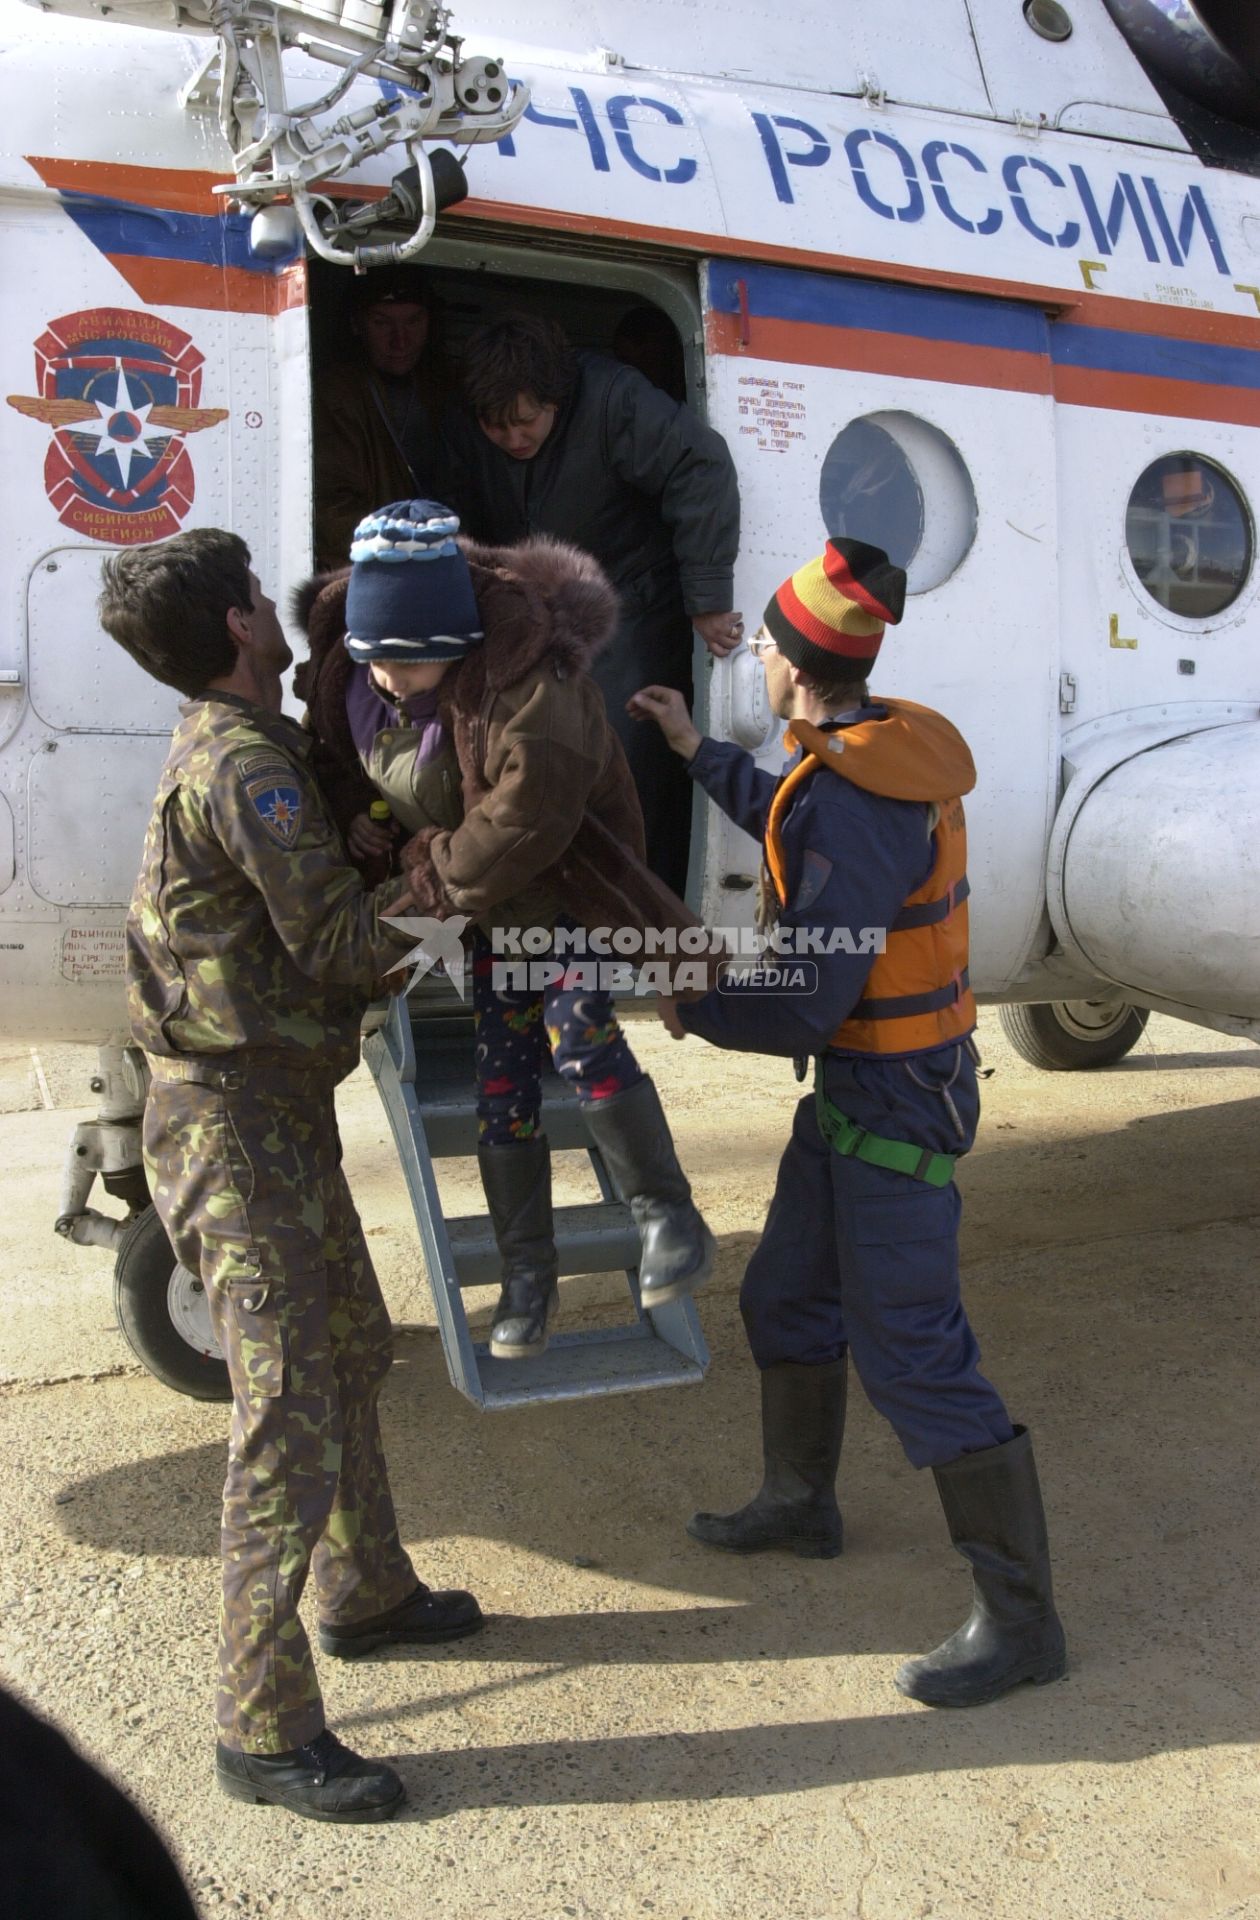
1129 1355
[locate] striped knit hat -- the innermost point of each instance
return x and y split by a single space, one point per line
828 619
410 595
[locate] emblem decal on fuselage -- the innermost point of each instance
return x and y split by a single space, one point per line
119 388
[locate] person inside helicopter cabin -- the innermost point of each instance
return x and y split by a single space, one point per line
377 412
580 446
451 680
646 338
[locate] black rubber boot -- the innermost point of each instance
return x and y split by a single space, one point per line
802 1425
517 1181
633 1136
322 1781
422 1619
995 1517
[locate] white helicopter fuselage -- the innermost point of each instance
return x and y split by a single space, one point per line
928 268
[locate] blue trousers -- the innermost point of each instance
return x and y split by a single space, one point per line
858 1260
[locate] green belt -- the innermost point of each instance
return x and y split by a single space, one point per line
854 1142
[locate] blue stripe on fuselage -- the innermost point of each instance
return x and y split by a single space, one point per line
122 227
827 300
872 306
1153 355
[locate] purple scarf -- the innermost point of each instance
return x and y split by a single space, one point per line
370 712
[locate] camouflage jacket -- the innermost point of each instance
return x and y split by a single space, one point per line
249 929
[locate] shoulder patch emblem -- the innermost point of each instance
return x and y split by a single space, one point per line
815 873
277 800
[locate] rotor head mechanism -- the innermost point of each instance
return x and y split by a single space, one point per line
284 152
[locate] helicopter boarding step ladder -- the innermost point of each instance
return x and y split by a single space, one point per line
421 1058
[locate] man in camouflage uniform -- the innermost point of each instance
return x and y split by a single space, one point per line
252 949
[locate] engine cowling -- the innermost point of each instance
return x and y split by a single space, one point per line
1154 874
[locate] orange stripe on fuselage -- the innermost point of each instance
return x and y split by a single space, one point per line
910 357
195 283
181 190
1145 393
806 343
1214 329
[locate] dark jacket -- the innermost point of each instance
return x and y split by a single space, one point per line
547 795
72 1846
360 463
637 480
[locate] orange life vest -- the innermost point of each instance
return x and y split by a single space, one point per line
917 994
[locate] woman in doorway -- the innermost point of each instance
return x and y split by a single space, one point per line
451 680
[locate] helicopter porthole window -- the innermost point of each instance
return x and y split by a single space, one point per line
898 483
1189 536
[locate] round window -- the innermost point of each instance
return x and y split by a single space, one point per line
897 483
1189 537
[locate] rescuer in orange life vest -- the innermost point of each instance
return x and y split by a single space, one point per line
865 831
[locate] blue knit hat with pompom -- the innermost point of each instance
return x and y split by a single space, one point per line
410 595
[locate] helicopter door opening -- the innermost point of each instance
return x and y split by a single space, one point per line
388 390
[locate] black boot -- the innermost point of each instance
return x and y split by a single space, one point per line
422 1619
517 1180
993 1509
633 1136
802 1425
322 1780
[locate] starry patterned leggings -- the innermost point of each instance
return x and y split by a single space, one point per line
514 1027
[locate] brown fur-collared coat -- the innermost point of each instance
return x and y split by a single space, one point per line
547 794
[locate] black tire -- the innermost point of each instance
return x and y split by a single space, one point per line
1066 1036
157 1303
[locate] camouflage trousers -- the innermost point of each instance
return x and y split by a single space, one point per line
245 1172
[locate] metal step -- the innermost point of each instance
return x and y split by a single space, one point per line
579 1366
596 1238
421 1056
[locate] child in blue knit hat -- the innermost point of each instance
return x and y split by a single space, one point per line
410 612
451 681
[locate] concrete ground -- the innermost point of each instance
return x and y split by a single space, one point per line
646 1728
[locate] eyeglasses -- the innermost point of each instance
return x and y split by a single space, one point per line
761 644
